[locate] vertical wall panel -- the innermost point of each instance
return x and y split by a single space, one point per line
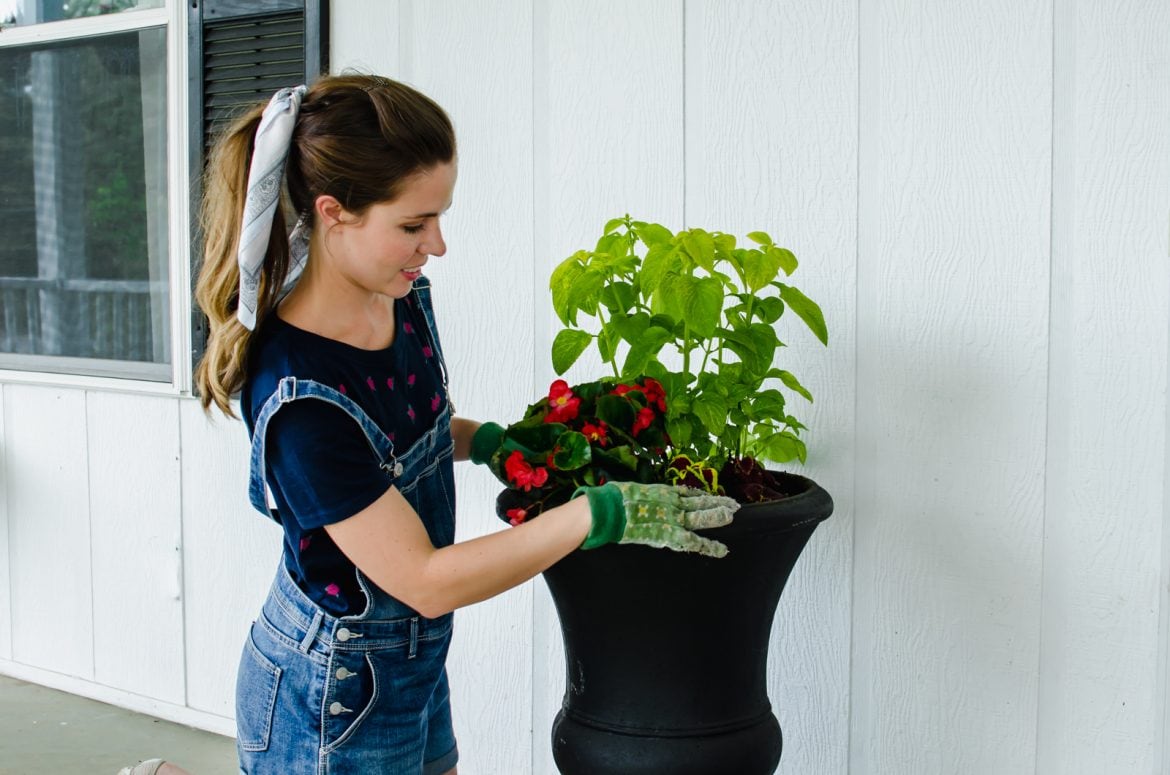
484 306
137 568
771 144
955 121
5 566
230 552
49 528
609 140
1107 413
363 36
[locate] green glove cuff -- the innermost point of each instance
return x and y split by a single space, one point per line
608 509
485 441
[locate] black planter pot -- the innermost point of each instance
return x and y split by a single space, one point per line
666 653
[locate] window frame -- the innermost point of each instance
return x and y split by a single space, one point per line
90 372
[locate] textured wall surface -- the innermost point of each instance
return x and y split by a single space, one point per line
979 194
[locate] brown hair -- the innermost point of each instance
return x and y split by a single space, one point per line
358 138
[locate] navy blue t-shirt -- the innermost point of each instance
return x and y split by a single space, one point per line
321 468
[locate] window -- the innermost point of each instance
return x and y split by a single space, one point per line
93 280
84 280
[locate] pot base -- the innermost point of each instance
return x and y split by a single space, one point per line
583 749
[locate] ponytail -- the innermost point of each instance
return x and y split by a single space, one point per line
220 374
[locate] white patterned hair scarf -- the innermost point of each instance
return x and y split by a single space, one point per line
263 197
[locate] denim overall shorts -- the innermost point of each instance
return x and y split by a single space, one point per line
325 695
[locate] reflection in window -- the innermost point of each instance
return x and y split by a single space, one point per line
83 262
20 12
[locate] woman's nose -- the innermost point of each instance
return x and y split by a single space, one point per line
435 246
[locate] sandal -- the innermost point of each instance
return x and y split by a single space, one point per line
148 767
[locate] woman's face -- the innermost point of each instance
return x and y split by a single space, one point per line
384 250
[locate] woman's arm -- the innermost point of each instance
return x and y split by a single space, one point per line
462 430
388 542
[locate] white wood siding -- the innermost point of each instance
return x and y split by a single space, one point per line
136 543
5 562
979 194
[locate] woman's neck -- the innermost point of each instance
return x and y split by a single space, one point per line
360 319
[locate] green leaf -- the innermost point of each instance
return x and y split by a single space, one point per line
536 441
700 246
767 406
608 242
742 345
585 291
760 268
653 234
618 297
644 349
562 282
712 412
616 457
769 309
785 258
571 451
679 430
631 327
783 447
764 338
659 260
724 244
760 238
807 310
607 343
669 298
705 304
792 383
614 223
615 411
567 348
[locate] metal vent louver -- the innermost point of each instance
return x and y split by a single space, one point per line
246 60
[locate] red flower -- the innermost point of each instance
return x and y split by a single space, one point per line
596 433
655 394
621 390
563 405
523 475
643 420
516 516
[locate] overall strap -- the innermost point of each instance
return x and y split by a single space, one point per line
293 389
422 292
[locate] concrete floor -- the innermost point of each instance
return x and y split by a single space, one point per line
46 731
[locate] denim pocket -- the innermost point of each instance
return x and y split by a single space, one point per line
256 684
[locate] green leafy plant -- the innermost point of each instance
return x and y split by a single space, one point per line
645 292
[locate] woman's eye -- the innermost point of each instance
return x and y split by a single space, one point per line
414 228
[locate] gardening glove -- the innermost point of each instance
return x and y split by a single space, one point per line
660 515
485 441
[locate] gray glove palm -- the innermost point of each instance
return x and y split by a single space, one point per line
659 515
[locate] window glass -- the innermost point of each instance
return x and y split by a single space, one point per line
83 261
20 12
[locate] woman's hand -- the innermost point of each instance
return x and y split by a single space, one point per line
659 515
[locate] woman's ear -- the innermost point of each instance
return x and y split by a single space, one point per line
330 212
